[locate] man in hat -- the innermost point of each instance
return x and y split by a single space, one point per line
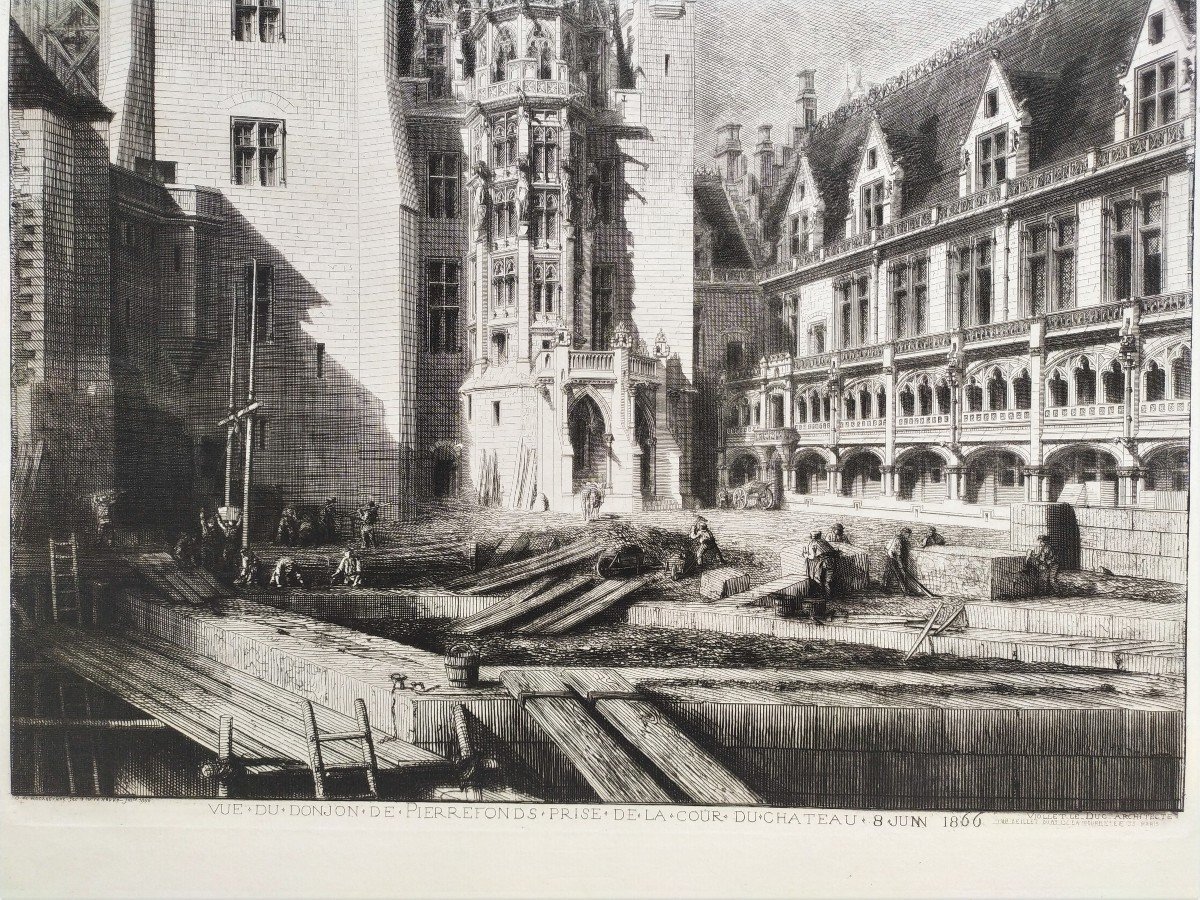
289 527
933 539
286 574
329 520
349 570
897 560
704 543
1042 562
821 564
366 516
836 534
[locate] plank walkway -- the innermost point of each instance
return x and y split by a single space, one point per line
701 777
190 694
526 569
523 603
612 773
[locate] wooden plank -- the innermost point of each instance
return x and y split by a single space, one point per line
535 566
605 765
501 614
697 774
607 593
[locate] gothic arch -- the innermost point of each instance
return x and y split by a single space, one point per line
587 390
1116 450
824 453
977 453
936 449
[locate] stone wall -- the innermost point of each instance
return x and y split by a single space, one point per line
1144 543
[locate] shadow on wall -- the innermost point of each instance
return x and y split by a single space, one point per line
321 433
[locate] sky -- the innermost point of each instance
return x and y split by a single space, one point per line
748 53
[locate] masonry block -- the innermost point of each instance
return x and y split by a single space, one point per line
725 582
972 572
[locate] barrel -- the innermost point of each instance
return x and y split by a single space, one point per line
462 666
1028 521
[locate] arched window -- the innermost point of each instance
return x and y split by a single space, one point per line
974 396
849 406
1085 382
1114 383
1181 375
907 402
924 399
545 153
539 52
880 404
1058 389
776 411
758 411
864 404
1156 382
943 399
814 404
505 53
545 288
997 390
500 347
1023 390
735 357
743 412
801 409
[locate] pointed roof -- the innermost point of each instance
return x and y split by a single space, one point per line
1062 58
729 244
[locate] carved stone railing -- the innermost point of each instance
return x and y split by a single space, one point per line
922 421
591 361
1085 316
923 343
1162 304
1181 409
197 201
809 363
1058 173
727 276
530 87
861 424
643 367
996 331
971 202
774 435
917 220
808 428
1175 133
1085 412
861 354
995 417
848 245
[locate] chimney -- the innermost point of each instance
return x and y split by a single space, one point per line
729 150
806 105
764 154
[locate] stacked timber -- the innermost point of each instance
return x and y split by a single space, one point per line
524 493
716 584
523 603
526 569
590 605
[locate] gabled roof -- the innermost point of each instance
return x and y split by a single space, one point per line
1063 61
33 85
729 245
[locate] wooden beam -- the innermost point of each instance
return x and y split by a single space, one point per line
41 723
701 777
607 767
509 610
604 595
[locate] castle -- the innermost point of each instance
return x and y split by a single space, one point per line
473 256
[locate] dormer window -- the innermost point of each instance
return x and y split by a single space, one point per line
872 205
1156 28
794 235
872 158
991 103
993 158
1156 95
803 190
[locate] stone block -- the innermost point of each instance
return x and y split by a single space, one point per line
1095 517
718 583
1159 520
852 568
972 572
1174 545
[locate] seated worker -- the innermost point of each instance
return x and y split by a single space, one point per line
349 570
704 543
286 574
933 539
837 534
1042 563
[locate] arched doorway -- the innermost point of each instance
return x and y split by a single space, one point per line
590 449
994 478
862 477
643 431
923 477
742 470
1083 468
809 476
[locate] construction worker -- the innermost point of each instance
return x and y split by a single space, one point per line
349 570
933 539
306 533
822 559
836 534
897 560
329 520
704 543
247 568
286 574
289 527
367 515
186 552
1042 562
102 504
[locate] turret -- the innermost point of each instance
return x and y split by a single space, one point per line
729 151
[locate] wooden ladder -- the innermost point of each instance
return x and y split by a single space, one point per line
81 763
64 583
316 761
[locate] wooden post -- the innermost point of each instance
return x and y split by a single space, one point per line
224 756
249 400
368 746
230 431
314 749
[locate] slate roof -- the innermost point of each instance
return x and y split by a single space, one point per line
33 85
729 246
1063 62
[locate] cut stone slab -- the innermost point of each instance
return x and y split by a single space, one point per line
852 567
718 583
973 572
